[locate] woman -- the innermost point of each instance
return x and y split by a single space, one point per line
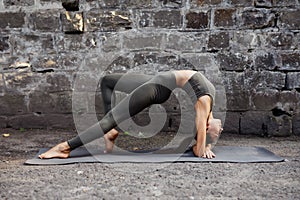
152 90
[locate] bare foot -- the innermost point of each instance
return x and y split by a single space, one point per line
109 139
61 150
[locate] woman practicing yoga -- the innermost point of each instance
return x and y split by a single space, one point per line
145 91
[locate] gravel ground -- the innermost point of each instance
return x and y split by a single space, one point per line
144 180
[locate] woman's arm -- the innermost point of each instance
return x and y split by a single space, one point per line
202 108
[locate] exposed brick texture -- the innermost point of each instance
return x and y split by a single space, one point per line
53 54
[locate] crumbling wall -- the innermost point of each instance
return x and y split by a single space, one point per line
45 45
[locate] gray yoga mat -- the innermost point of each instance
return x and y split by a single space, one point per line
232 154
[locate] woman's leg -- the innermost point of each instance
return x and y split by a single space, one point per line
120 82
152 92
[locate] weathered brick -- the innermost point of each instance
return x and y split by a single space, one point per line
4 43
290 19
167 19
109 3
8 3
243 3
279 125
186 42
200 3
197 20
296 124
257 18
254 122
265 61
293 80
32 44
70 5
45 63
12 20
218 41
285 3
280 40
99 20
12 104
232 122
72 22
290 61
41 102
270 99
263 3
145 18
171 3
234 62
27 121
69 43
244 40
59 121
143 41
238 100
260 81
225 18
45 21
57 83
3 121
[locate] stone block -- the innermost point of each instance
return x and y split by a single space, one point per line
144 18
57 82
70 43
263 3
12 104
41 102
279 125
245 40
293 80
254 123
296 124
59 121
202 3
242 3
100 20
21 79
8 3
167 19
171 3
187 42
259 81
290 20
12 20
238 100
225 18
70 5
3 121
4 43
72 22
268 100
140 4
218 41
257 18
265 61
234 62
280 3
45 63
46 21
197 20
32 44
290 61
280 40
143 41
27 121
232 122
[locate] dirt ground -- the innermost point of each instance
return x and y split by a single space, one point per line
144 180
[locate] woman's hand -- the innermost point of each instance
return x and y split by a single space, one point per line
204 153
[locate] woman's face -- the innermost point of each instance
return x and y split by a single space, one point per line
214 129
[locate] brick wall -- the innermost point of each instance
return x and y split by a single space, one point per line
45 46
